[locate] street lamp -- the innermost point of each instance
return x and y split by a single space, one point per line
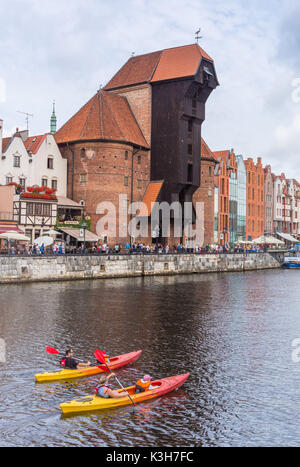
84 226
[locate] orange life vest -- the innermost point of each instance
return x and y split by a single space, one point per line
143 385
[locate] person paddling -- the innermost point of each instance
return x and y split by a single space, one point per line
104 390
71 363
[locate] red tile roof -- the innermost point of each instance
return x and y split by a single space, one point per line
178 62
206 153
5 142
106 116
33 143
150 196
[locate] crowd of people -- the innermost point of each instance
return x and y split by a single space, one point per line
98 248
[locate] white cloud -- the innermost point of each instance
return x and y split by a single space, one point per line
62 50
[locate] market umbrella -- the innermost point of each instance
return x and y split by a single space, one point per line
47 241
268 240
13 235
52 232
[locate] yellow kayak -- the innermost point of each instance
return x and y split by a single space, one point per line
90 403
63 374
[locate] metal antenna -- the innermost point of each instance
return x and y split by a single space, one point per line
197 35
27 117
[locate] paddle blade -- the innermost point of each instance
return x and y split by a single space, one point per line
52 351
100 356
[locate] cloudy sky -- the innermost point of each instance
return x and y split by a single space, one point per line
64 50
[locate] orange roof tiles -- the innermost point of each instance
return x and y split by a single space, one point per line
106 116
5 142
33 143
138 69
178 62
206 153
150 196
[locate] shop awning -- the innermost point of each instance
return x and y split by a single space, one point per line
63 202
287 237
267 239
9 228
75 233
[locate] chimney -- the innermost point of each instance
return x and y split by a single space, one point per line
1 135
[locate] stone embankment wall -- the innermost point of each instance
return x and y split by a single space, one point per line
55 268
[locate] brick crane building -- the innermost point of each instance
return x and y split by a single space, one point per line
143 128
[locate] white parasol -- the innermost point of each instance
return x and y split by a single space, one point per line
45 240
13 235
52 232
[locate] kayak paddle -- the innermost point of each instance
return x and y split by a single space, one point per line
100 356
53 351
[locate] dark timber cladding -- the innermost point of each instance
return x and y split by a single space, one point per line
178 110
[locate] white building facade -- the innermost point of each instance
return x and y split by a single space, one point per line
32 161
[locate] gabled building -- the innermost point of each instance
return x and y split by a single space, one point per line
269 201
34 160
206 193
255 199
226 183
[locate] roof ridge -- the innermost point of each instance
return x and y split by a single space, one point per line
88 116
74 115
113 115
101 114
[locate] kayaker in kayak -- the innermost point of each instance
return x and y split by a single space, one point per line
143 384
104 390
71 363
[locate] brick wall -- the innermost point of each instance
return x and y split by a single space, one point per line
139 98
102 171
205 194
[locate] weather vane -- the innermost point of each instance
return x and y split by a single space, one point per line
197 35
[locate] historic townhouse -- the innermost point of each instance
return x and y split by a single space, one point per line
226 184
255 199
206 193
269 201
34 160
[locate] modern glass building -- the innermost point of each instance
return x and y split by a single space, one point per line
216 230
241 198
233 207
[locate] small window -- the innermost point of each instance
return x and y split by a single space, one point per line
126 155
22 182
82 153
54 184
83 178
190 126
44 182
17 161
140 184
194 101
50 163
8 180
190 173
139 160
209 171
126 181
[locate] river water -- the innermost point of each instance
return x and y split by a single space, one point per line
233 332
